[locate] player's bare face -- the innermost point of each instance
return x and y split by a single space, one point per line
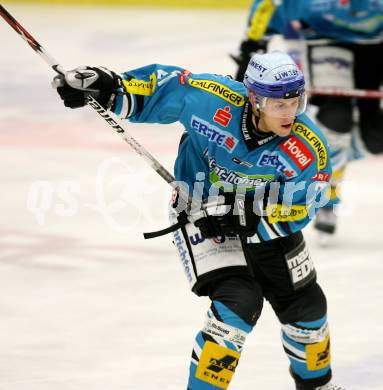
278 116
279 126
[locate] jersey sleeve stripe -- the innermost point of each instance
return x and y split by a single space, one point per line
271 232
275 228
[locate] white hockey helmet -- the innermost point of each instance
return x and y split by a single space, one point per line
273 76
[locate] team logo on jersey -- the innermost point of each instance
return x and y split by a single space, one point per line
214 134
219 90
275 160
298 152
315 142
141 87
223 116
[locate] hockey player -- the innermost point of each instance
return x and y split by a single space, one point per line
342 37
253 144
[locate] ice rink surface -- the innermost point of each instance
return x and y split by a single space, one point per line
86 303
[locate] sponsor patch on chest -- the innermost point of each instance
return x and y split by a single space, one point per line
220 137
223 116
297 151
275 160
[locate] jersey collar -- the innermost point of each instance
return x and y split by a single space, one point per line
252 137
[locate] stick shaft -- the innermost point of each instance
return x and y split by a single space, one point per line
30 40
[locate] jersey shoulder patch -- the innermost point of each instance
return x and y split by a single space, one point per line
218 89
141 87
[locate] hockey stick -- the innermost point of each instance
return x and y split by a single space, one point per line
357 93
108 117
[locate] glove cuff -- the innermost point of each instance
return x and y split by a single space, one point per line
107 95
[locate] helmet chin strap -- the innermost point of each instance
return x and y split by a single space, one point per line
255 117
256 113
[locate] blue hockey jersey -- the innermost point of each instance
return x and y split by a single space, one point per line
341 20
220 146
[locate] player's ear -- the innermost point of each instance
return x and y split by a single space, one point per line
251 98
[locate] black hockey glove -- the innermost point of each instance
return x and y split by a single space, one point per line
247 49
235 217
84 81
